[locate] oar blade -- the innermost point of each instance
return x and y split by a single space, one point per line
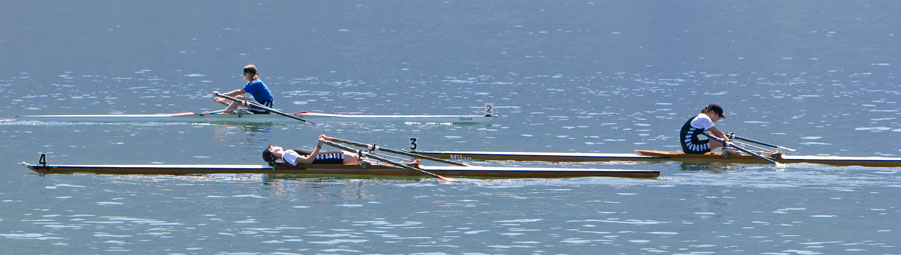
448 180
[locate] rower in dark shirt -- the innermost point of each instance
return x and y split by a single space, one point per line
308 157
691 131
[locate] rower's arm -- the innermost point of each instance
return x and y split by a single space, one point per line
308 159
232 93
719 134
236 92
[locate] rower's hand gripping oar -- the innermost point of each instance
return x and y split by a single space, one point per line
733 136
373 147
249 103
731 144
379 158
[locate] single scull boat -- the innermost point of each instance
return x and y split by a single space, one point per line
652 155
242 117
765 154
367 169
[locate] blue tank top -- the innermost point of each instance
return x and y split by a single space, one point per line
259 90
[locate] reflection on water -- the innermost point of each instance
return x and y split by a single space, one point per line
715 167
248 133
326 187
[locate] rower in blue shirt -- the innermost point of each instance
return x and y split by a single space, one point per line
254 86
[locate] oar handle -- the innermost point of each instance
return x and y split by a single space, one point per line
373 147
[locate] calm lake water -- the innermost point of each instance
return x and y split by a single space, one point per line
569 76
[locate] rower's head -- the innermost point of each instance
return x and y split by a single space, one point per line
714 111
250 73
272 153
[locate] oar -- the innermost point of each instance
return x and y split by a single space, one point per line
249 103
731 144
779 165
370 155
733 136
373 147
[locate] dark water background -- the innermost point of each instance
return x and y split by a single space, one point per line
586 76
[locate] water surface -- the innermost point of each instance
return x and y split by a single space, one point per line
585 76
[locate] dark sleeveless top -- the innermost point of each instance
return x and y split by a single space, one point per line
691 143
324 157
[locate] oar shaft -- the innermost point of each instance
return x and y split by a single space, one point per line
761 143
753 153
245 102
414 155
364 154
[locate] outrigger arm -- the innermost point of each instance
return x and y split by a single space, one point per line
733 145
365 154
253 104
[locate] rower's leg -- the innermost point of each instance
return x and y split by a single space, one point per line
714 144
351 159
727 152
234 105
231 107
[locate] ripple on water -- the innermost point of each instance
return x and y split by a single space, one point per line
622 221
873 129
518 221
30 236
